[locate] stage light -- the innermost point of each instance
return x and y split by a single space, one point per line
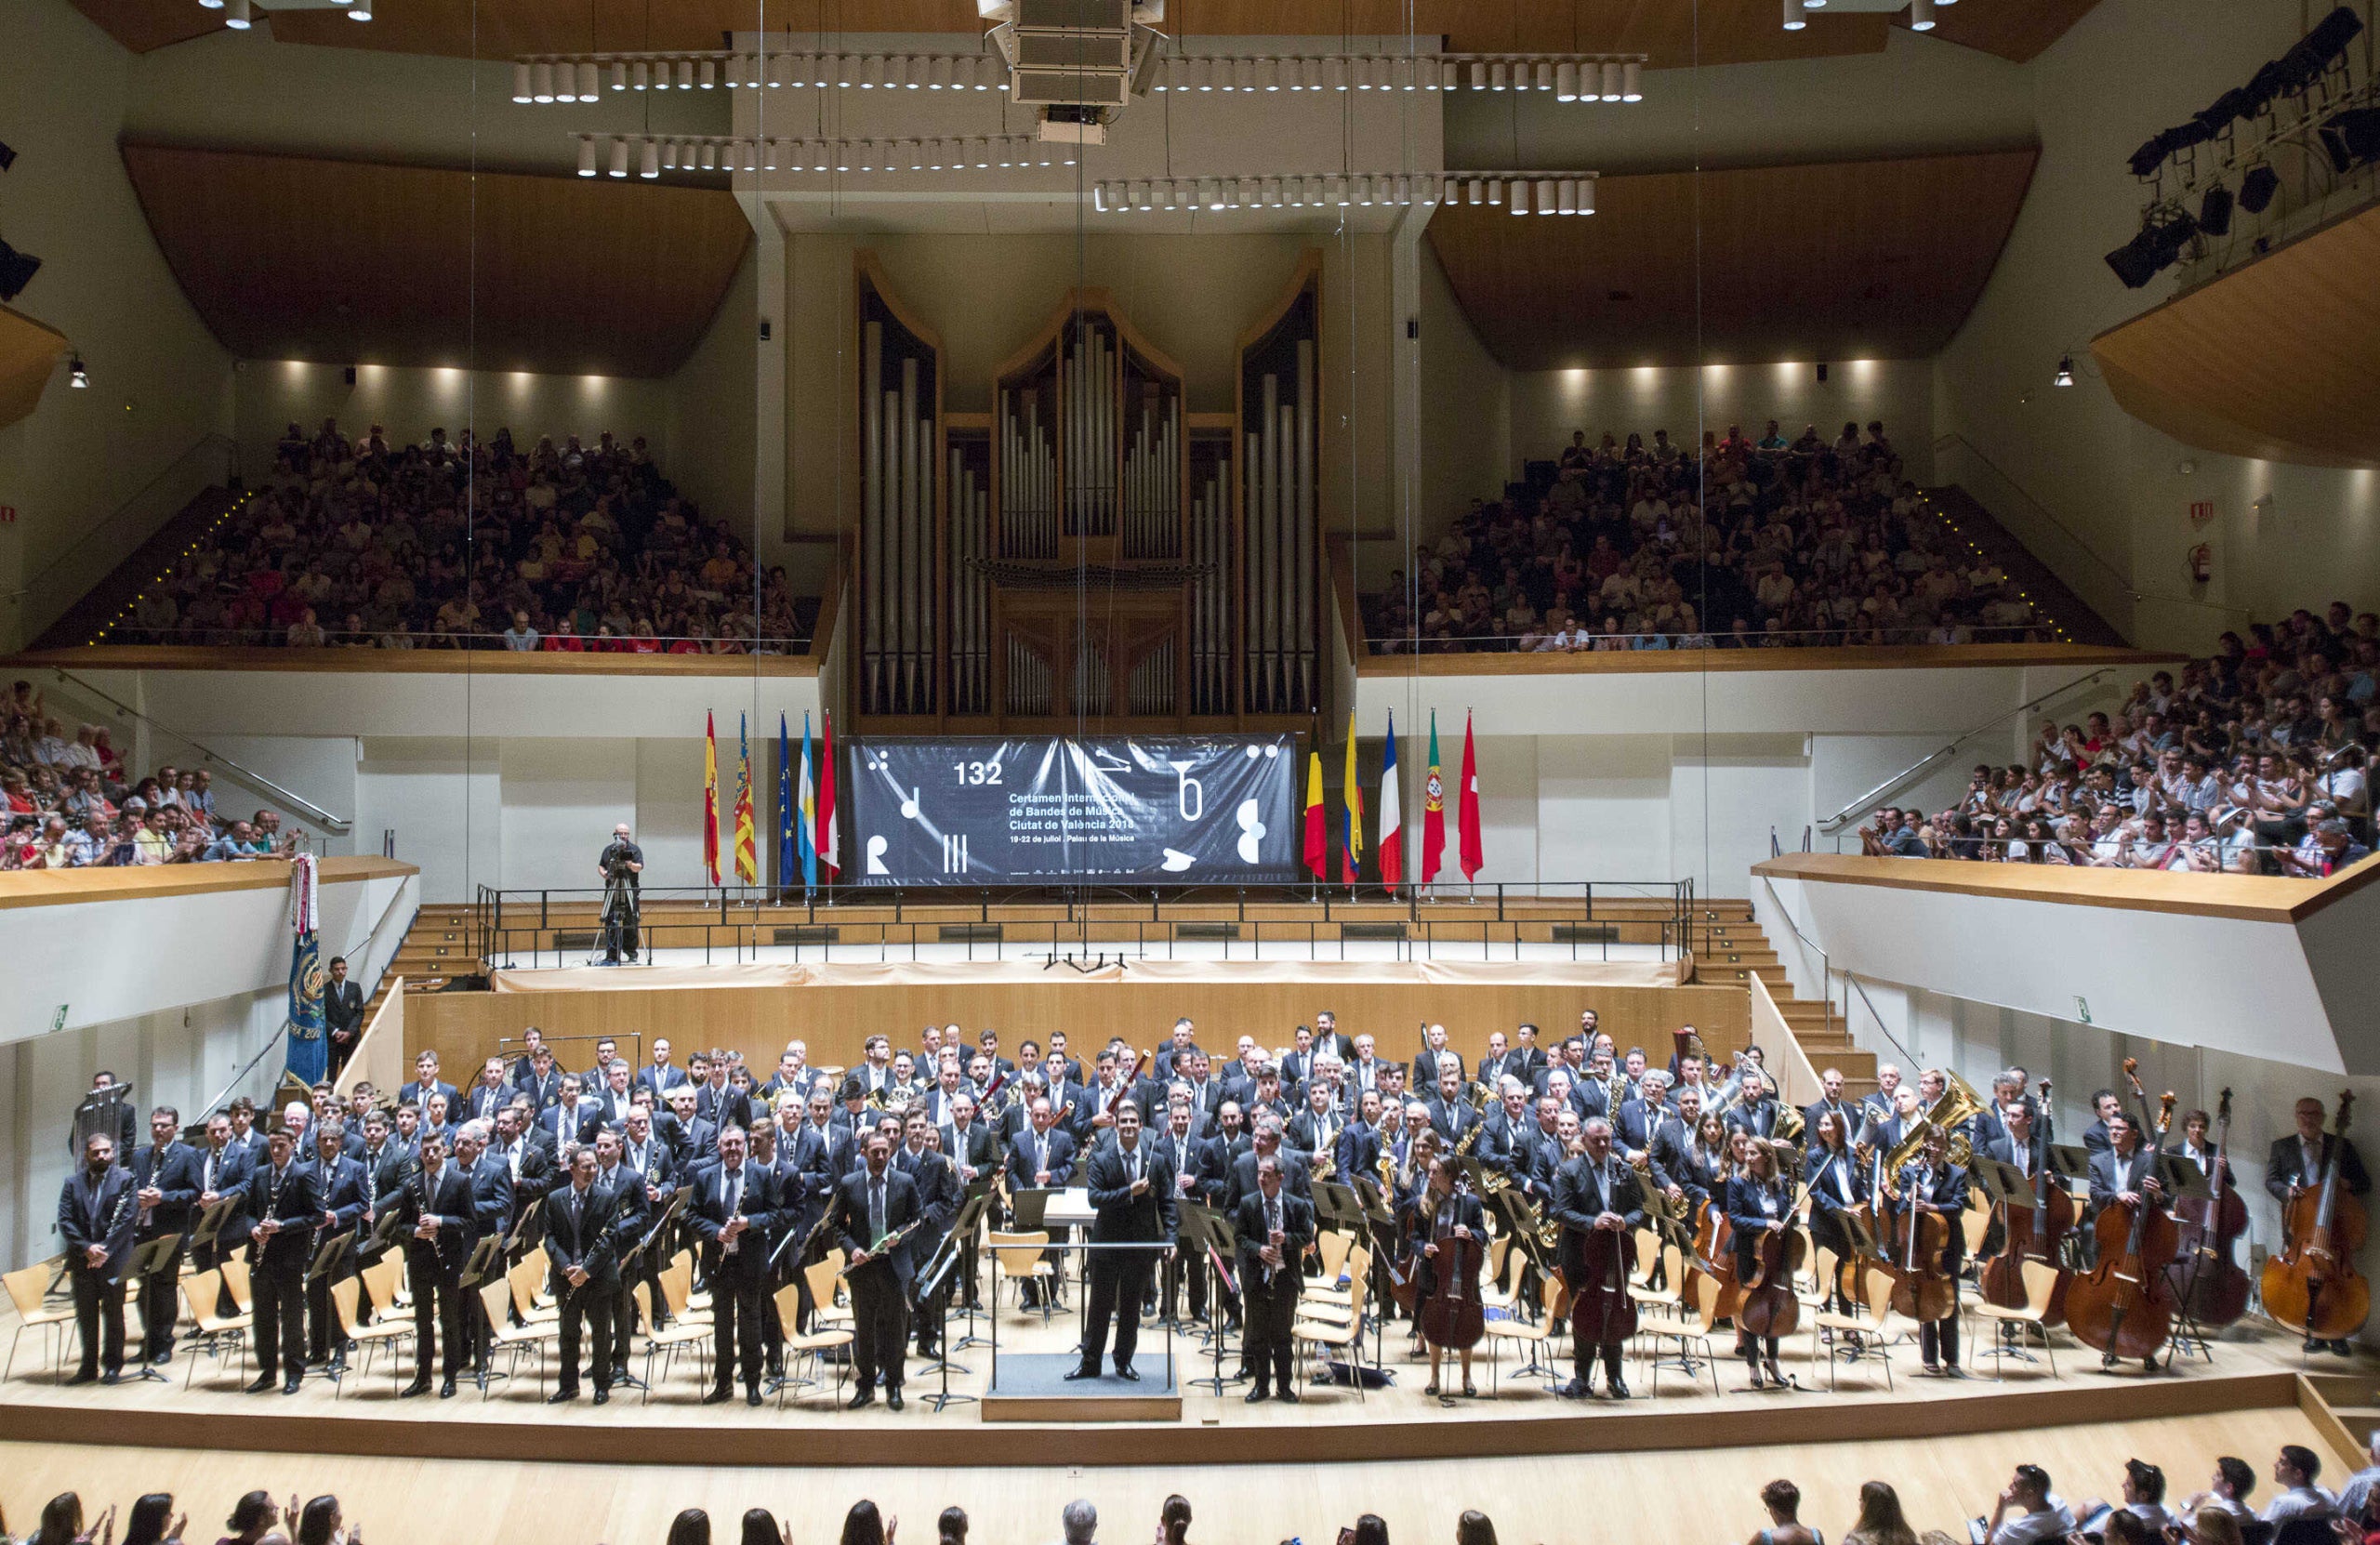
2065 375
542 72
521 90
590 82
2214 211
2258 187
619 158
238 18
1568 192
2352 138
1517 198
1547 189
1474 192
76 375
641 78
1544 75
1920 16
1794 18
1632 78
619 76
1587 196
1565 83
585 156
358 10
711 74
1612 82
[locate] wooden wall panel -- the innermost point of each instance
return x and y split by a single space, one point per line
29 355
1840 260
340 262
463 1028
2278 360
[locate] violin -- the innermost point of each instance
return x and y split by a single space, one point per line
1453 1317
2313 1283
2124 1307
1769 1306
2033 1227
2216 1287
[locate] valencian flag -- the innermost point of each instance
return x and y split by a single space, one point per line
1351 839
1467 811
785 845
805 816
748 862
711 799
1392 814
1317 837
1433 811
829 863
310 1047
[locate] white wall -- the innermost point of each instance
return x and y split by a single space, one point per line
159 382
1466 410
2124 70
710 409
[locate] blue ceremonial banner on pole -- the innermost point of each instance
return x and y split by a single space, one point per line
310 1057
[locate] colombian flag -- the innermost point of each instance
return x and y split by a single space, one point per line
1351 845
747 858
710 799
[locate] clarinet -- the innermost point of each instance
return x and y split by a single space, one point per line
421 1189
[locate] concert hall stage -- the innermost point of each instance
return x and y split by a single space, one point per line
2252 1371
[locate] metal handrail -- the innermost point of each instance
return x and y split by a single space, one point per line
240 1077
1852 982
1826 967
314 815
1916 770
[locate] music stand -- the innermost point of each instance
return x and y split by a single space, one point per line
938 1270
2181 1177
484 1255
521 1226
971 1211
2070 1163
327 1256
1204 1229
1339 1204
1998 1181
211 1221
145 1262
386 1233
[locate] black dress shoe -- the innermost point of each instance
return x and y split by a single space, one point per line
291 1387
163 1357
1259 1392
446 1390
91 1376
752 1395
716 1394
419 1386
1125 1372
1577 1389
865 1397
603 1397
561 1397
892 1398
1086 1370
1619 1389
113 1376
1286 1395
262 1386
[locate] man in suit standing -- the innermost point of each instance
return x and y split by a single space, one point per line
1131 1197
1329 1038
286 1205
96 1209
165 1177
1274 1229
1435 1056
222 1171
583 1249
570 1121
631 1219
662 1075
543 1082
871 1202
342 1013
1830 1103
1172 1058
2297 1161
938 1199
1597 1200
1500 1061
1932 1184
426 1083
613 1092
734 1207
343 1193
442 1228
489 1095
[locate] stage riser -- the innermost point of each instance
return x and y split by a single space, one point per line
1441 936
837 1020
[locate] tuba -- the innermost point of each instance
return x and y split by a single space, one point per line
1959 1104
1790 1122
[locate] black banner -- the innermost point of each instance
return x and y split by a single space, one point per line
1155 810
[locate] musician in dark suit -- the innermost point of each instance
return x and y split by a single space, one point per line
1438 1212
733 1206
2105 1105
1274 1229
542 1082
570 1120
583 1245
164 1176
1931 1183
491 1095
939 1195
223 1168
2197 1144
1501 1060
1359 1142
631 1220
342 1013
872 1203
426 1083
344 1193
95 1217
2297 1161
1132 1199
442 1226
1173 1057
1330 1040
661 1075
1756 1111
1831 1102
1295 1173
1435 1057
286 1206
1596 1200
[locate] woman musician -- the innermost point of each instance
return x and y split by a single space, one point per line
1838 1181
1441 1210
1930 1185
1760 1203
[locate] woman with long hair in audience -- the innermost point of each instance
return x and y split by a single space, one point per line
761 1528
152 1521
1474 1528
321 1524
864 1526
1881 1519
949 1529
690 1527
61 1523
1370 1529
253 1517
1173 1521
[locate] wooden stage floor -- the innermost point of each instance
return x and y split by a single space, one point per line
2253 1369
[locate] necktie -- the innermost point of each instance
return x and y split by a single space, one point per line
1040 1154
735 1190
876 1209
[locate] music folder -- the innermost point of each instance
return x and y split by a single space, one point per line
329 1255
211 1221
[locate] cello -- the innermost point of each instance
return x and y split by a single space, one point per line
2124 1307
1922 1290
2033 1226
2214 1288
1769 1306
1452 1316
2313 1283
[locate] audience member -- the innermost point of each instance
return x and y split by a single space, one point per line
864 1526
1783 1500
153 1520
1080 1522
690 1527
1881 1520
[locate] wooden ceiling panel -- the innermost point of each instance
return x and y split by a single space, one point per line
2277 359
1867 259
1674 33
287 257
29 355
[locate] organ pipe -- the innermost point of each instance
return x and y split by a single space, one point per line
1305 577
872 508
900 590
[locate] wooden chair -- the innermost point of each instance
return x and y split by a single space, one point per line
1662 1303
202 1295
523 1280
2041 1286
679 1297
27 1288
511 1339
826 1280
1331 1247
1859 1337
685 1258
386 1332
1327 1338
1691 1330
1017 1258
1551 1329
810 1344
664 1341
236 1282
1975 1221
1358 1265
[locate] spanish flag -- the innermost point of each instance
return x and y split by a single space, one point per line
748 859
710 799
1318 836
1351 846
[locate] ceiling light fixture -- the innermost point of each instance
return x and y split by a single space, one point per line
238 18
1794 18
1920 16
76 377
2065 375
619 158
586 156
1566 81
358 10
522 77
649 161
591 83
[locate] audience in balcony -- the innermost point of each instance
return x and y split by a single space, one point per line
356 543
2255 760
70 804
1637 547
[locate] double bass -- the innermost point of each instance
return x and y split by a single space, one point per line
2214 1285
2124 1307
2312 1284
2033 1227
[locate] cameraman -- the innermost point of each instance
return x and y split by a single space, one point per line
621 863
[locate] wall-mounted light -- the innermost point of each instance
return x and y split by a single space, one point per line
2065 375
75 375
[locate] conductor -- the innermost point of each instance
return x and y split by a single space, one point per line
1131 1192
619 865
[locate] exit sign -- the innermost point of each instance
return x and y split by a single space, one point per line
7 514
2202 512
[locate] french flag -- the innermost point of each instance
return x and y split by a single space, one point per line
1392 814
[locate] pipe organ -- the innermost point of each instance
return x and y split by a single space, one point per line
1088 547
